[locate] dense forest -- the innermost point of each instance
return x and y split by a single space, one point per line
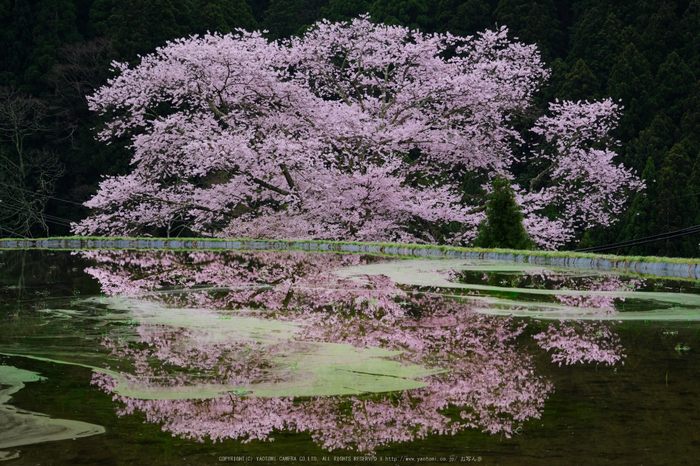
643 53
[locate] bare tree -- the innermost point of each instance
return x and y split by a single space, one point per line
80 69
27 176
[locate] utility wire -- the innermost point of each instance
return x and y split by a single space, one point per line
646 239
42 195
17 235
47 217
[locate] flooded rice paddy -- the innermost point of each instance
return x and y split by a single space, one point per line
200 357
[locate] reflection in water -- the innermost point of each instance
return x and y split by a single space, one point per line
263 334
21 427
584 342
515 290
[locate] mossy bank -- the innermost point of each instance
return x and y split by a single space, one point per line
646 265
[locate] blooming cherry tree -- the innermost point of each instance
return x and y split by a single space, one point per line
353 131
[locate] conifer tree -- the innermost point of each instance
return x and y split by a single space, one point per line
533 22
596 40
690 122
632 83
661 34
416 14
503 226
654 141
463 18
673 208
345 10
674 81
640 219
222 16
580 84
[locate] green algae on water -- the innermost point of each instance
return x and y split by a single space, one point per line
22 427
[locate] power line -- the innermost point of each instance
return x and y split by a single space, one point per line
47 217
17 235
644 240
42 195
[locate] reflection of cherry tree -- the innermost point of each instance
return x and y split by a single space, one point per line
604 302
223 418
270 280
484 372
486 382
494 388
581 342
231 363
576 290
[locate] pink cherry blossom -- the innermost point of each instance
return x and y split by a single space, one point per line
353 131
484 379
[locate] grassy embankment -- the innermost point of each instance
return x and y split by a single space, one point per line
339 244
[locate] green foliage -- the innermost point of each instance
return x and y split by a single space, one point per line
285 18
503 227
223 16
632 83
661 34
137 27
643 53
690 122
416 14
579 84
654 142
674 81
673 207
640 223
345 10
534 22
596 40
463 17
258 8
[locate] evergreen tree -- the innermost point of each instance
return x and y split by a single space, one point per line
19 45
673 208
674 82
640 219
415 14
558 72
693 198
652 142
5 38
463 17
258 8
55 26
579 84
632 83
345 10
285 18
690 36
690 122
596 40
138 27
661 34
503 226
222 16
533 22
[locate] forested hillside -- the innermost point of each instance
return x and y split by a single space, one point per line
643 53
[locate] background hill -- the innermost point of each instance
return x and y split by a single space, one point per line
644 53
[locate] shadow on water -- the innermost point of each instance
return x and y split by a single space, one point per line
164 357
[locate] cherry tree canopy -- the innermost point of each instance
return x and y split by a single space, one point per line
353 131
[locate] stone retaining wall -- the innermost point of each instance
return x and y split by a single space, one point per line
663 269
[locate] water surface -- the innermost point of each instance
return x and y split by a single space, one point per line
165 357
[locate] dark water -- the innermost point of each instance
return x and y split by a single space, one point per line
162 357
